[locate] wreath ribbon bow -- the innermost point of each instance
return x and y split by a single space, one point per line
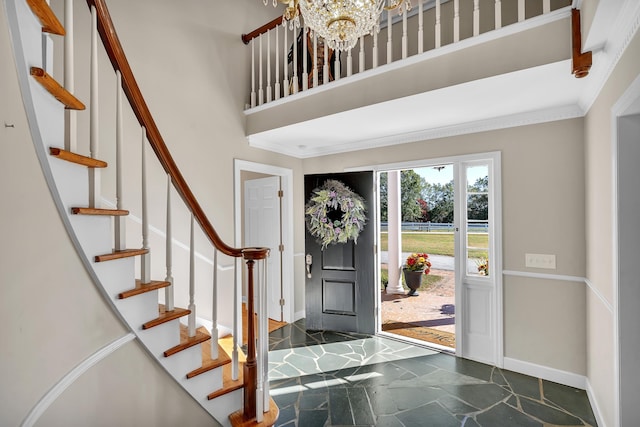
335 214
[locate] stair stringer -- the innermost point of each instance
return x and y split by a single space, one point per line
68 185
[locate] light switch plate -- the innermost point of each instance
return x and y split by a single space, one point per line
540 261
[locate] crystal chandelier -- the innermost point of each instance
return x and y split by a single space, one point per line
340 22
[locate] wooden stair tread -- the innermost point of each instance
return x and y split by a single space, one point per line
55 89
48 19
228 384
269 418
96 211
76 158
141 288
165 316
186 341
207 362
120 254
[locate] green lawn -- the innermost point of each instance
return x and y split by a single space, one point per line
438 243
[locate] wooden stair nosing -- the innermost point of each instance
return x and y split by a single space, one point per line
228 384
141 288
48 19
120 254
269 418
96 211
186 341
55 89
76 158
165 316
207 362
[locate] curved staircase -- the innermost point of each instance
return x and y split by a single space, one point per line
222 385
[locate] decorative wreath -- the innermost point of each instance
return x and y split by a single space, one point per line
335 214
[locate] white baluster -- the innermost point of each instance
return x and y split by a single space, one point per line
285 61
374 56
192 281
237 328
546 6
315 59
260 87
337 67
214 308
389 38
476 17
361 56
253 73
349 63
168 291
269 93
295 63
456 21
325 65
145 259
305 69
498 9
521 10
120 242
405 39
94 173
438 26
70 116
420 27
277 85
258 297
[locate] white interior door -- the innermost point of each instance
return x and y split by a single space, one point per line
477 245
262 227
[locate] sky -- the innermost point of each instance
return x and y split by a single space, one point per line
443 176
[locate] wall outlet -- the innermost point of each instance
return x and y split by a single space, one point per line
540 261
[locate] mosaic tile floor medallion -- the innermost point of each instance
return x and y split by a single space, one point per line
337 379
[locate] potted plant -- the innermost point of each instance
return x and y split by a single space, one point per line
416 265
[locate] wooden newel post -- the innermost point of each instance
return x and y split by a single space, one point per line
250 367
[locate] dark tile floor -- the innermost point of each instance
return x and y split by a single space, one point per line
337 379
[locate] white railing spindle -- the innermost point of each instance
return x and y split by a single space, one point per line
119 226
325 65
305 51
258 298
456 21
253 73
192 281
438 25
349 63
476 17
265 334
215 335
389 38
374 57
71 127
269 93
285 60
260 82
360 56
521 10
405 37
145 259
237 328
295 63
420 27
315 59
546 6
168 291
338 67
498 10
94 173
277 84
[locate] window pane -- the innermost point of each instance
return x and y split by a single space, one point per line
477 207
478 179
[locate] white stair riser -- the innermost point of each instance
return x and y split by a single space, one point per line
160 338
206 383
223 406
140 309
94 235
185 361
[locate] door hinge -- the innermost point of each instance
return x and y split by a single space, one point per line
281 302
280 193
281 248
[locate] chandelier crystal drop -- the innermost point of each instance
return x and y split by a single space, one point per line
340 22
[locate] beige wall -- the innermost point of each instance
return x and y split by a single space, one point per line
543 212
599 232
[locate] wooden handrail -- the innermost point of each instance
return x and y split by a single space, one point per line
246 38
131 89
581 61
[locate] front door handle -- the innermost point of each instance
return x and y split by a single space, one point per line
308 260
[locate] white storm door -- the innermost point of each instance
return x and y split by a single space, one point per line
477 293
262 228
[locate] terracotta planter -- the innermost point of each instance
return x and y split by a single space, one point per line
413 280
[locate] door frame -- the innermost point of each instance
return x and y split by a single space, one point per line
628 104
496 219
286 184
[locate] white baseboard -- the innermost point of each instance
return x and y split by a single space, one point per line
299 315
546 373
594 405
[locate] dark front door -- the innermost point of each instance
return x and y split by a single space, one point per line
340 289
